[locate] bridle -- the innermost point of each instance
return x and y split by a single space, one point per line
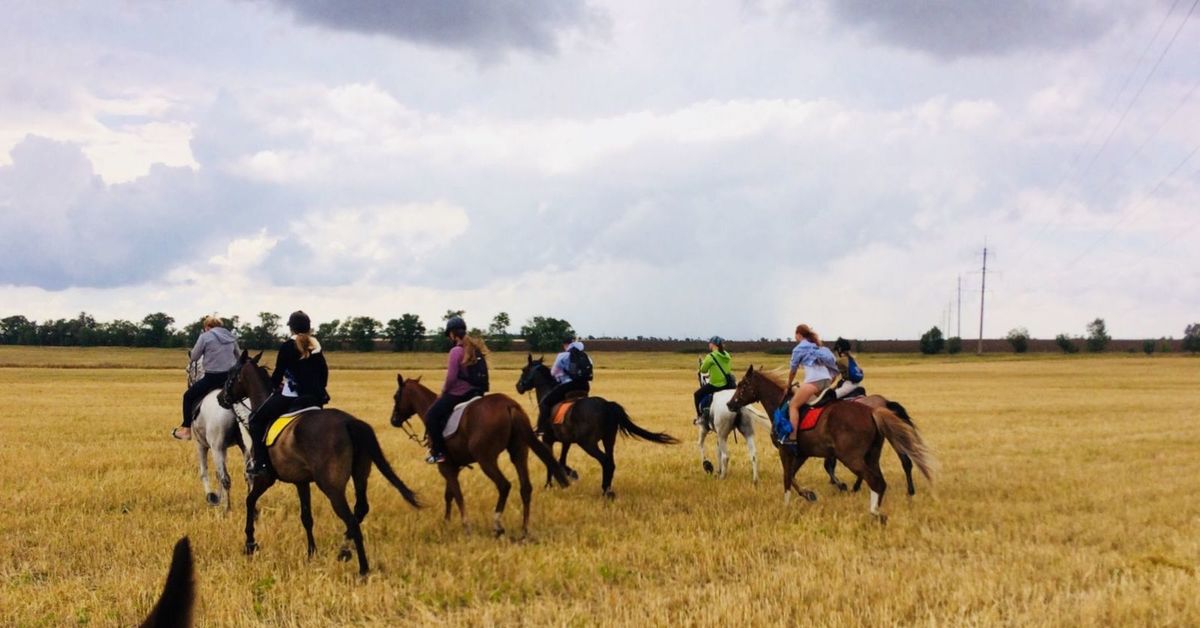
404 426
242 409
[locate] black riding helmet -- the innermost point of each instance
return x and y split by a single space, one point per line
456 323
299 323
841 345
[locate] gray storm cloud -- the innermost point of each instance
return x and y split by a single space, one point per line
480 25
966 28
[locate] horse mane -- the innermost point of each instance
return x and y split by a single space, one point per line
775 376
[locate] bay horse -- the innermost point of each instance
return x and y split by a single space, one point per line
591 420
215 429
326 446
490 425
876 401
851 432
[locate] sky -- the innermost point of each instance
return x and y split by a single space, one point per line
664 168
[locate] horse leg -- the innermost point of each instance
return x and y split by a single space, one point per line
337 499
223 481
722 453
202 458
610 442
907 464
606 467
303 490
518 453
362 471
867 467
503 486
257 488
453 491
562 461
831 471
752 450
708 466
806 493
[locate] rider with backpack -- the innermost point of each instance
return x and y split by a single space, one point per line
298 381
716 368
466 377
851 373
572 370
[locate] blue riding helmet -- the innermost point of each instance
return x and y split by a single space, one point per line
717 340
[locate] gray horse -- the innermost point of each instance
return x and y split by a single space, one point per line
217 429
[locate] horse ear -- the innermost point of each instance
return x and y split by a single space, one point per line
256 358
245 355
750 370
529 358
541 358
399 379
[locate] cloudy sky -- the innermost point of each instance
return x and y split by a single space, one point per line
638 168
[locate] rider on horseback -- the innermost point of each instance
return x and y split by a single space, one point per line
218 348
299 381
572 370
819 367
463 381
716 367
851 375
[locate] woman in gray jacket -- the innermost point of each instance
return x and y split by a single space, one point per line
218 348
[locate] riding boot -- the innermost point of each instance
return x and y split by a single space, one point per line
259 458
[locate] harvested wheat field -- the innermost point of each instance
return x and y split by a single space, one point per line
1064 497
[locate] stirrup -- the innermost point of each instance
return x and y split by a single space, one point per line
175 434
435 458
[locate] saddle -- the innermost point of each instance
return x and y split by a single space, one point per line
282 422
456 416
563 409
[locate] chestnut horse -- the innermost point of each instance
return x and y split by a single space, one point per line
876 401
329 447
490 425
590 421
852 432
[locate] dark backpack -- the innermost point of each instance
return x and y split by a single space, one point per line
579 365
854 372
476 374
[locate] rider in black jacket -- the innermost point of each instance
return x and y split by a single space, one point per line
299 381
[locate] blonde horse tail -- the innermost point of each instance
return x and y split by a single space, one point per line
905 439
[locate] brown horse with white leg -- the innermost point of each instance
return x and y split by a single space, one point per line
490 425
851 432
328 447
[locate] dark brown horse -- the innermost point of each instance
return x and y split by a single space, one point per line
329 447
490 425
590 421
851 432
876 401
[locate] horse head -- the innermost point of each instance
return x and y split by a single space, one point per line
746 393
236 386
529 374
403 402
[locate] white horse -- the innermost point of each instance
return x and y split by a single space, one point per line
217 429
724 421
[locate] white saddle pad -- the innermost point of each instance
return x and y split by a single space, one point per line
456 416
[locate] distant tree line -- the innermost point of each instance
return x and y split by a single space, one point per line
1096 340
407 332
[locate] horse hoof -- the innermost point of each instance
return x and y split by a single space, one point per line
573 474
883 520
251 548
344 555
708 467
610 495
841 487
212 499
809 495
498 532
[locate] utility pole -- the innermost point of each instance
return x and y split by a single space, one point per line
959 333
982 293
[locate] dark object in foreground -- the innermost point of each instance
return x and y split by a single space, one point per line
178 598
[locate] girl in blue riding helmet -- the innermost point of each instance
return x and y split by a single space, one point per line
716 369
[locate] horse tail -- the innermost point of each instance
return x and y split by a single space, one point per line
629 428
906 440
362 437
174 607
900 412
524 431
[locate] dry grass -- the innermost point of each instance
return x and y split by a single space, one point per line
1064 499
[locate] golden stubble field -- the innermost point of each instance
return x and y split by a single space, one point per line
1066 496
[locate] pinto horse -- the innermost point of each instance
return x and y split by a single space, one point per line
851 432
590 420
329 447
490 425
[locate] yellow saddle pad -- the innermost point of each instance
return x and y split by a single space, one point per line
281 424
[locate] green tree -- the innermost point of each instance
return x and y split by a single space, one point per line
497 333
17 330
405 332
1018 337
264 335
954 345
1149 345
1065 343
361 332
1097 338
543 333
932 342
156 330
330 334
1191 338
119 333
